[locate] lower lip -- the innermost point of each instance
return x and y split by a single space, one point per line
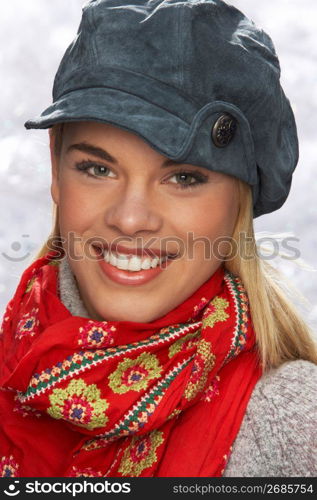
131 277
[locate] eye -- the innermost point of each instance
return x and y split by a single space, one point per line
188 179
98 170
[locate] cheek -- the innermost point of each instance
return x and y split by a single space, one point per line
208 225
77 209
210 217
219 218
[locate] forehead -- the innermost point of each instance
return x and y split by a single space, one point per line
104 134
110 143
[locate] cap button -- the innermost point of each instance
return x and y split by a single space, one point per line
223 130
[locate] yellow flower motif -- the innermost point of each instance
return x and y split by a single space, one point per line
55 371
216 312
79 404
44 376
89 354
135 374
77 358
66 364
244 317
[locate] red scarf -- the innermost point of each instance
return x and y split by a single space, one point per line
82 397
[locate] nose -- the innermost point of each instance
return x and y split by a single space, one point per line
133 212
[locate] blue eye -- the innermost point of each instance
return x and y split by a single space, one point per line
98 169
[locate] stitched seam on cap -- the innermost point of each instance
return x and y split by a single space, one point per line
93 25
180 45
183 94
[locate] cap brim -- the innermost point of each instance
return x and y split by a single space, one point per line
163 130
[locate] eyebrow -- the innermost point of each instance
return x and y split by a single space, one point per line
85 147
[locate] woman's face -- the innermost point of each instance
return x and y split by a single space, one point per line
113 189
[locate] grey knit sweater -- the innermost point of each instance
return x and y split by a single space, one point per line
278 435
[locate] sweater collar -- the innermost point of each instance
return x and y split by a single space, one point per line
69 292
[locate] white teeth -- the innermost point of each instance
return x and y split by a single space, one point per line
146 264
154 262
134 263
113 259
122 262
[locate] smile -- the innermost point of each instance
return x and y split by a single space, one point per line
128 268
132 263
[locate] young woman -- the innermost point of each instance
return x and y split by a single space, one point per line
148 338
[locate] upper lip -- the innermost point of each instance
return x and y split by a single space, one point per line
141 252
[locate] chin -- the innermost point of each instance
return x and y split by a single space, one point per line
124 313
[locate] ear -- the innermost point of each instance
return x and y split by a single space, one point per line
54 168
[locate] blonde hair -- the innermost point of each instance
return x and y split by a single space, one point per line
281 333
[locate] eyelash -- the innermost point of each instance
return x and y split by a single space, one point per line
84 166
199 179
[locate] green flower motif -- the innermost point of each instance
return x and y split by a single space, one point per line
134 374
79 404
140 454
203 363
216 312
183 344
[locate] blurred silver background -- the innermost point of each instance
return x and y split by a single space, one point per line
33 38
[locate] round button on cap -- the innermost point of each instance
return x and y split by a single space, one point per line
223 130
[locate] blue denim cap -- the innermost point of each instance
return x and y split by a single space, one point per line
196 79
